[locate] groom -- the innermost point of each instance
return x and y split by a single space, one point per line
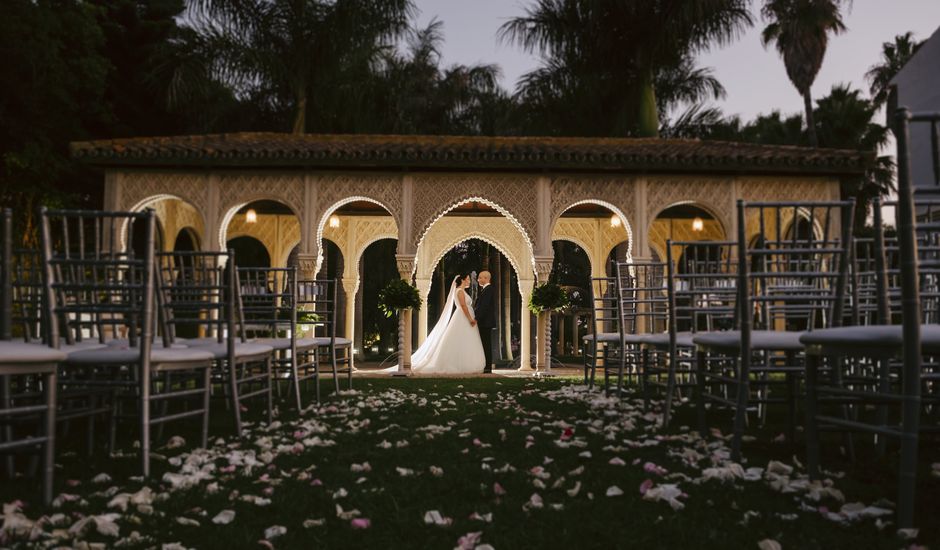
486 317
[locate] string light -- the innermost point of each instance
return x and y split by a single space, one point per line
334 221
615 221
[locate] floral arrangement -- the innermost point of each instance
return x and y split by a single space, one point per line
398 295
548 297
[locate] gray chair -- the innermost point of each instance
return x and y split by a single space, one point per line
317 301
700 287
643 308
790 281
602 345
93 280
198 292
27 370
268 297
899 351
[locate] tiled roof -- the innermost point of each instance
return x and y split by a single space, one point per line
465 153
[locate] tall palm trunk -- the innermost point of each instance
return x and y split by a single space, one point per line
300 114
810 121
647 114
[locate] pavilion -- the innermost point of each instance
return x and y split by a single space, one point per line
294 193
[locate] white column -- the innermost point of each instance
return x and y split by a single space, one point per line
350 285
424 287
210 239
525 288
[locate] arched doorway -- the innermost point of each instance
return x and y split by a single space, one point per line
249 252
684 222
477 234
272 223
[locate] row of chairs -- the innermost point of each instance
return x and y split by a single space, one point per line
806 313
93 330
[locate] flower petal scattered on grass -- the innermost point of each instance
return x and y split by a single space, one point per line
224 517
614 491
360 523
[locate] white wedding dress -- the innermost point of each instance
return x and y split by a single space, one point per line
453 346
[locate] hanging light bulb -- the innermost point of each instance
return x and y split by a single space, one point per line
334 221
251 216
698 224
615 221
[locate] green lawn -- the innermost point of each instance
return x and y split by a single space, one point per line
526 463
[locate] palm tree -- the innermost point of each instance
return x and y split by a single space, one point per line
608 52
894 55
800 29
420 96
289 50
847 121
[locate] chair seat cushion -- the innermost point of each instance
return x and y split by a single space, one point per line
120 355
770 340
284 343
615 337
661 340
219 350
24 353
871 338
179 343
325 341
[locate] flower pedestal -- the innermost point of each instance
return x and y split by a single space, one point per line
404 343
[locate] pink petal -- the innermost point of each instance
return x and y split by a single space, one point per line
646 486
361 523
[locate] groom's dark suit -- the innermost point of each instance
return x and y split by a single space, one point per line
486 320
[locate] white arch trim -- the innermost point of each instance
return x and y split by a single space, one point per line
321 224
623 220
479 236
576 241
151 200
230 214
698 204
508 215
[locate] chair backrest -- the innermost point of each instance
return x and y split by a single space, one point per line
268 300
605 305
887 252
702 279
794 276
317 304
643 304
197 295
95 284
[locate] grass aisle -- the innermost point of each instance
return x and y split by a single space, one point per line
423 463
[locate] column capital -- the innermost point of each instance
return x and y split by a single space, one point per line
406 265
543 267
307 265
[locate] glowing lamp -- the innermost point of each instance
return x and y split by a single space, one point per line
615 221
698 224
251 216
334 221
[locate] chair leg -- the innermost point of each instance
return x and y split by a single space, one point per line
670 388
740 411
232 373
145 423
792 390
620 367
49 448
643 377
269 378
812 427
295 378
349 364
206 401
7 429
700 398
884 383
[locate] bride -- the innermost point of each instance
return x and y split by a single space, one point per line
454 345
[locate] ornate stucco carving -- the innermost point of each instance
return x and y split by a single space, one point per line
449 231
436 194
